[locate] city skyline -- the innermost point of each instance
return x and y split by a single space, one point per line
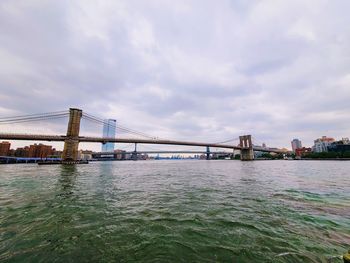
190 69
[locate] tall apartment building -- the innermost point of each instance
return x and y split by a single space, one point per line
321 144
109 128
296 144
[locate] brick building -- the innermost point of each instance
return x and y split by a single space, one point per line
22 151
5 148
40 151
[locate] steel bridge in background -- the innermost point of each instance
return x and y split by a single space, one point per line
72 139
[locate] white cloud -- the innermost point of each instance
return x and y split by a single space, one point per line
202 70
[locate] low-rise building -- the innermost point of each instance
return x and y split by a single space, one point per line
119 155
11 153
258 154
40 151
22 152
341 146
56 153
345 140
302 151
84 155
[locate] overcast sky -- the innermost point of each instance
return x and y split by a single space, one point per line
185 69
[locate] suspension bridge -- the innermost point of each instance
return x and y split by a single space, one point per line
72 138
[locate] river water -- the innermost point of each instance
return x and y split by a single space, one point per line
175 211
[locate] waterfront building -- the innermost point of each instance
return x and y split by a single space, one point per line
302 151
11 152
103 156
22 152
321 144
341 146
109 128
40 151
119 154
345 140
56 153
258 154
4 148
84 155
296 144
203 156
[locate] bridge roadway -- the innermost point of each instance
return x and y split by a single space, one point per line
62 138
163 152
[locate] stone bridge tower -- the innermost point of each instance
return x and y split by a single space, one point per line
247 152
71 144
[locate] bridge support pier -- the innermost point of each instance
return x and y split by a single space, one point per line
71 144
208 153
134 154
247 152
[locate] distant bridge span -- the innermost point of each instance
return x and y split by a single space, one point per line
62 138
162 152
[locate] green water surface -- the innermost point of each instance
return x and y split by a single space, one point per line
175 211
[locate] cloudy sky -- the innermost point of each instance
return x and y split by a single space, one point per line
203 70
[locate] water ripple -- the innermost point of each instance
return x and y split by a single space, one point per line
184 211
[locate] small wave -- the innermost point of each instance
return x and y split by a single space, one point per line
286 254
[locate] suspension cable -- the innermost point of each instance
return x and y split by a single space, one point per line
34 115
230 140
118 127
32 119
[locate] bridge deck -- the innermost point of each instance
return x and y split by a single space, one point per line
165 152
61 138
